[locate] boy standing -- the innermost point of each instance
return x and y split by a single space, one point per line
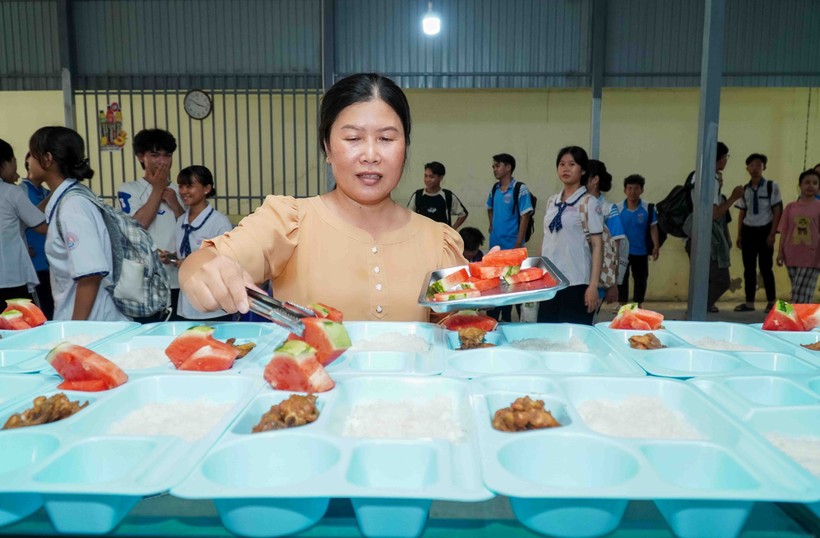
154 200
760 209
638 224
437 203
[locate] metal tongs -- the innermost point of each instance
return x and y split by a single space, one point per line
285 314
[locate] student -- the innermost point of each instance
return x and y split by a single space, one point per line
199 222
760 210
799 231
432 200
637 225
353 248
16 269
473 241
565 244
78 247
154 201
39 196
599 182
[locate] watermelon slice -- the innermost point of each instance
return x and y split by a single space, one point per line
783 317
31 313
210 359
329 338
483 284
525 275
549 280
12 320
185 346
809 315
84 369
323 311
505 258
448 282
469 318
481 271
631 317
456 295
294 367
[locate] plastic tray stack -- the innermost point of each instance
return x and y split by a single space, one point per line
599 358
571 481
89 479
280 482
685 357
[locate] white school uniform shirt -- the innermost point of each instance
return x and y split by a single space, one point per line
208 224
132 196
764 213
568 248
83 250
16 268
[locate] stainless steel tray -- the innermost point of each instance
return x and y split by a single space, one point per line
504 295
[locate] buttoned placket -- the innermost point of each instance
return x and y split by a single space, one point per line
378 297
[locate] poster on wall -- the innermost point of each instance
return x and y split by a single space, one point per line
112 135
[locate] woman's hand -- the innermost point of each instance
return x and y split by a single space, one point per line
218 282
591 298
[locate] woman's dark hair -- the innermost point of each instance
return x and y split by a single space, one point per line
197 173
579 155
361 88
66 148
597 168
6 152
807 173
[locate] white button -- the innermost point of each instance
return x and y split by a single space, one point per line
376 269
379 309
374 250
378 287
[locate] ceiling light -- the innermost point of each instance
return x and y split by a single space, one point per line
431 23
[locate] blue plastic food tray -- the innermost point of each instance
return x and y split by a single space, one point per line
572 481
598 359
53 331
286 477
87 478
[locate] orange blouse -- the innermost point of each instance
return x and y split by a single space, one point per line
312 255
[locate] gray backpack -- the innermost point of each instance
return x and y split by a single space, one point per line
140 285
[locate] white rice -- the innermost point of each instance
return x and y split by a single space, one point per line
141 358
636 416
392 341
575 343
190 420
77 340
722 345
434 419
805 449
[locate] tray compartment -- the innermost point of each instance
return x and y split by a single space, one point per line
382 465
492 337
695 519
696 466
776 363
41 338
685 363
725 336
620 338
87 514
98 461
771 391
518 384
556 407
261 517
24 449
569 518
496 360
21 362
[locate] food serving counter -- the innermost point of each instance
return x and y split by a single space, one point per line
687 440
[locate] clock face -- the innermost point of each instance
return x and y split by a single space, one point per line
197 104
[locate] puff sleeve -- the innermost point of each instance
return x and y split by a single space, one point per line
452 248
264 241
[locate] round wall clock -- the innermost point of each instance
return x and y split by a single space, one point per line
197 104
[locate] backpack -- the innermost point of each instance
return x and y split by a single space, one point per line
448 199
676 208
516 191
662 235
611 256
140 285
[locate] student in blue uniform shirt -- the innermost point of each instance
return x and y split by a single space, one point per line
39 196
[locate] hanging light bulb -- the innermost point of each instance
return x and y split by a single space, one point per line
431 23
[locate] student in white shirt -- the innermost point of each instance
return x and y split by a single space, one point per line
200 221
153 200
79 253
16 269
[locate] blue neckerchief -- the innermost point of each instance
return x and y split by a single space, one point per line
556 225
185 248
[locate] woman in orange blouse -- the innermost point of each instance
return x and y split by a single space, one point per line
353 247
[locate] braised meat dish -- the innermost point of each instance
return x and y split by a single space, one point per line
45 410
297 410
645 341
243 349
472 338
814 347
524 414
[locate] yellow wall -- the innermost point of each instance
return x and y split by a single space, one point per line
651 132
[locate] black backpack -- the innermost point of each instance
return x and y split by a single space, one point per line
676 208
516 192
662 235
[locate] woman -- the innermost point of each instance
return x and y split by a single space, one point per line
564 236
78 247
199 222
16 269
353 248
